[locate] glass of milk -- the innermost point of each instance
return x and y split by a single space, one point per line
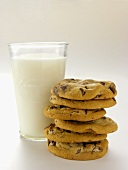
36 67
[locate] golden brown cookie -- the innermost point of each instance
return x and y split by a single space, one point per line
103 125
77 89
60 135
83 104
79 151
67 113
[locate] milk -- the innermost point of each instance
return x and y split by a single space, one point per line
34 75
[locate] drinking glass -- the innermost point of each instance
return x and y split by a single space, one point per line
36 67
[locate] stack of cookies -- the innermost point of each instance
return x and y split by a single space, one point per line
80 126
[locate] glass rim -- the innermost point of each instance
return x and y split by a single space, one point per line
38 43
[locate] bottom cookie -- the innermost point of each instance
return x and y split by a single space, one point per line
79 151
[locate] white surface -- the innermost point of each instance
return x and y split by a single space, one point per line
19 154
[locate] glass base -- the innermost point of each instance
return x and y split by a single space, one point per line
33 138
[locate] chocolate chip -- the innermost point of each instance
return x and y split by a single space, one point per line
61 106
51 126
53 107
82 91
57 107
100 149
90 141
96 110
55 91
103 83
51 132
84 144
63 88
85 111
97 149
97 96
78 151
70 114
52 98
53 143
68 131
112 88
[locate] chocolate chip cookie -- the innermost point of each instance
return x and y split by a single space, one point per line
83 104
103 125
79 151
80 127
67 113
57 134
77 89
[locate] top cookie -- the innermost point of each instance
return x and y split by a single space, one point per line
77 89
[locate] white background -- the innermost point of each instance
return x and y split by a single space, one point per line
97 33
